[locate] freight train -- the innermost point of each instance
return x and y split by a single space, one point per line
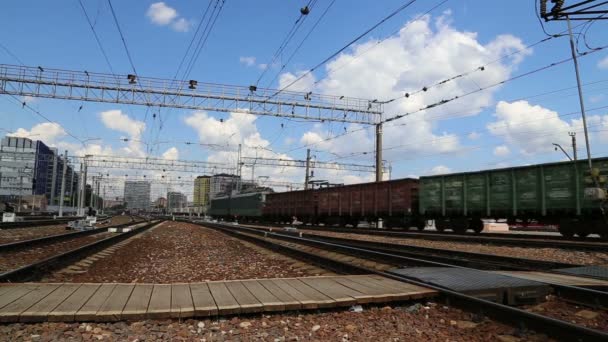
548 194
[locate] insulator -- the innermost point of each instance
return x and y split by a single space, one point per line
193 84
543 8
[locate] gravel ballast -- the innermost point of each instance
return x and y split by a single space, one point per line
414 322
546 254
177 252
22 234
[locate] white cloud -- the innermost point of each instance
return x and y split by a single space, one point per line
596 98
46 132
474 136
440 170
116 120
534 129
247 60
502 151
603 64
423 53
304 84
182 25
28 99
161 14
171 154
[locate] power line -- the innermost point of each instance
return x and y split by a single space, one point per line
482 67
295 27
366 32
122 37
347 132
103 51
301 43
534 71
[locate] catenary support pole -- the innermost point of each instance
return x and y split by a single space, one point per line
307 176
573 135
63 175
379 152
580 97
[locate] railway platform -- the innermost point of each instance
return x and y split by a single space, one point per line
108 302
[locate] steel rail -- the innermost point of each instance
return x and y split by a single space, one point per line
58 237
39 268
521 319
33 223
518 240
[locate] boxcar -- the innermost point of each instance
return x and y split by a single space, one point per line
550 193
395 202
244 207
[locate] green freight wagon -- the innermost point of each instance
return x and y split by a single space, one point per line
552 193
243 207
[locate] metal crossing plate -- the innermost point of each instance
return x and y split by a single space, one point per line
491 286
599 272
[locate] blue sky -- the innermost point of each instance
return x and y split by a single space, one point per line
455 38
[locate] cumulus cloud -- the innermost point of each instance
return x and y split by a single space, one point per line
171 154
161 14
423 53
502 151
474 136
304 84
182 25
247 60
603 64
118 121
47 132
440 170
534 129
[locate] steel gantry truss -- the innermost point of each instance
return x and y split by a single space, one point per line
581 10
314 164
156 92
153 164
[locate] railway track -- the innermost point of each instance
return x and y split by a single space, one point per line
34 223
499 239
22 263
560 329
44 240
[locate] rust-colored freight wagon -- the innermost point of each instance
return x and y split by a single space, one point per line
283 206
395 202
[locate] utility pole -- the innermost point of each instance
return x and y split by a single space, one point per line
63 175
580 98
573 135
91 198
379 152
307 176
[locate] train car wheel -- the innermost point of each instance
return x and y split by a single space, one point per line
477 225
567 227
460 225
440 225
420 224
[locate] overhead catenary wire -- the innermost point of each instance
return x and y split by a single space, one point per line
448 115
513 78
295 51
340 50
294 29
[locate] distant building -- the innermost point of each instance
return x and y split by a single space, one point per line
176 200
222 184
137 194
30 167
160 202
202 190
